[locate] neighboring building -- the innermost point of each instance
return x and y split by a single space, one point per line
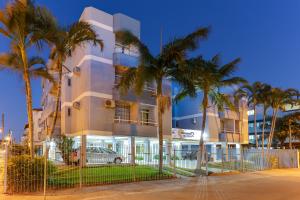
38 136
92 107
259 125
224 130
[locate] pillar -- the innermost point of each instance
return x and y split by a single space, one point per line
83 150
132 150
169 151
214 152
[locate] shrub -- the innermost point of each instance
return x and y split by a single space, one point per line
25 174
17 150
65 145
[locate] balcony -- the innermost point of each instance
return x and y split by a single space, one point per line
230 114
126 60
147 97
134 128
229 136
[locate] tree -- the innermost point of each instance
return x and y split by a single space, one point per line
278 100
63 42
264 100
210 77
154 69
22 23
251 92
286 127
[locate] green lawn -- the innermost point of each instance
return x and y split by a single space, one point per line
70 176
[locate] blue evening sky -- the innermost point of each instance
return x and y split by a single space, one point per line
264 33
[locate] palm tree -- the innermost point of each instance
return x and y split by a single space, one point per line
279 99
154 69
264 100
36 66
22 23
210 77
251 92
63 42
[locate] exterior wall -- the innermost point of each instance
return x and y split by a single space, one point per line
95 84
221 126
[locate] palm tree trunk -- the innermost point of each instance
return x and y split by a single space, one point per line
263 131
26 78
290 135
160 124
201 142
57 99
255 128
274 116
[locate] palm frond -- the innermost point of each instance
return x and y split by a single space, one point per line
36 60
126 38
127 80
41 72
80 33
229 68
233 81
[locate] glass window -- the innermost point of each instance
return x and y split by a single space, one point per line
69 82
122 112
145 116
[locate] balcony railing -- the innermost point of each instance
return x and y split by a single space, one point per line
138 122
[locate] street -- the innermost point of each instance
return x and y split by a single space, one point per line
273 184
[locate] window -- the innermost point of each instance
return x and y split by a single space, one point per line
69 111
122 112
69 82
145 116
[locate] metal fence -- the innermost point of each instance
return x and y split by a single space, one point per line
78 168
73 167
238 160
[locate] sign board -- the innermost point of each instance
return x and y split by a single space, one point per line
186 134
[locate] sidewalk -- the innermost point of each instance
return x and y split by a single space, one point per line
275 184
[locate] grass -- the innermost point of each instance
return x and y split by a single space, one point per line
108 174
179 171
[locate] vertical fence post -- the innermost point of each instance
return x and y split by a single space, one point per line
80 166
45 167
297 155
174 167
206 162
5 168
242 158
222 160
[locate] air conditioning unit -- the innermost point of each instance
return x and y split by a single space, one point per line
76 70
76 105
110 103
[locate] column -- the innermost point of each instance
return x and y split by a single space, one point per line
214 152
147 150
169 151
132 150
83 150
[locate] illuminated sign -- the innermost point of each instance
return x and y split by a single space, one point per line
186 134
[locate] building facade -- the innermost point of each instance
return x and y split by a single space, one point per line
38 135
92 110
224 130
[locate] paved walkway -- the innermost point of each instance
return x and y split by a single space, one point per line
274 184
